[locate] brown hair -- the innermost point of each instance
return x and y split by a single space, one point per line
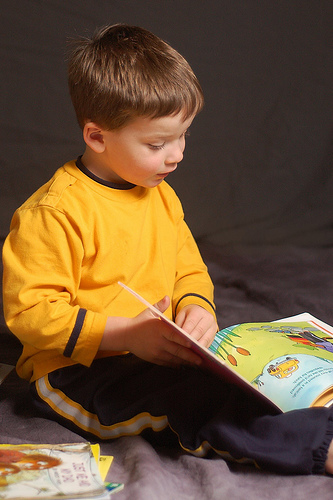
123 72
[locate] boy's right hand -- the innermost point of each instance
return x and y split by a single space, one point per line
149 338
154 340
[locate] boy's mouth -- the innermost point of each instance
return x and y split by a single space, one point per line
165 174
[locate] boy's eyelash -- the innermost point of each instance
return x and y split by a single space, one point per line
153 146
161 146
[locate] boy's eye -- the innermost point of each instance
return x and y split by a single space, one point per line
156 146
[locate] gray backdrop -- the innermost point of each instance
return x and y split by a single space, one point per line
258 164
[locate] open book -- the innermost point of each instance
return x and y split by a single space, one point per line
288 362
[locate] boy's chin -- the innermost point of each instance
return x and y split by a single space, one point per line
152 183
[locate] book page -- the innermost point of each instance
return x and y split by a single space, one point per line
211 362
288 363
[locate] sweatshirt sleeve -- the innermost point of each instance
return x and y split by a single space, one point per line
42 259
193 284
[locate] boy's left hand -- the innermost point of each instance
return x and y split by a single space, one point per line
198 323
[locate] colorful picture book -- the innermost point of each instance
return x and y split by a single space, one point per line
66 471
287 363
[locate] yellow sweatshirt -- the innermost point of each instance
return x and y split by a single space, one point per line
69 245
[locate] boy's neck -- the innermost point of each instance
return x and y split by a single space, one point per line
94 163
80 165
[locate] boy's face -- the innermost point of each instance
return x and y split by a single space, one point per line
143 152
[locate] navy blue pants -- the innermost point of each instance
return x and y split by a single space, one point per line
124 395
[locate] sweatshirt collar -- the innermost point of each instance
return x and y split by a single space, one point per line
95 178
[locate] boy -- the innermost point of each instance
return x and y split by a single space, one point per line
96 361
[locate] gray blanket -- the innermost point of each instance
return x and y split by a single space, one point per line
251 285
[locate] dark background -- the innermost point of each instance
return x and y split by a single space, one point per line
258 164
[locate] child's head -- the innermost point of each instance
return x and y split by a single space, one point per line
125 72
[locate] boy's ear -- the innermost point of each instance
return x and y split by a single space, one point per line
93 137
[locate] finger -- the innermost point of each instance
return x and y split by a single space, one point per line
179 355
180 318
163 304
208 337
201 328
174 336
196 327
194 324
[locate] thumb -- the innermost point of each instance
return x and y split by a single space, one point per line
163 304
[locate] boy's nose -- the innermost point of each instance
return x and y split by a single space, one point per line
175 156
